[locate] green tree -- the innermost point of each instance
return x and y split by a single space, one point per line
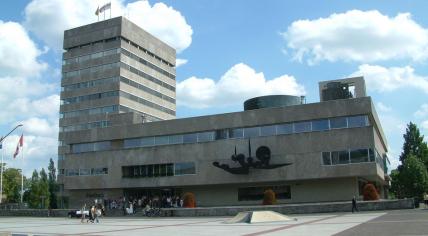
44 189
53 186
12 185
413 178
397 187
33 195
414 145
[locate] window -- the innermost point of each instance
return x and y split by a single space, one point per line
131 143
205 136
161 140
147 142
169 169
359 155
221 134
186 168
84 171
175 139
285 129
72 172
340 157
251 132
304 126
268 130
371 155
190 138
320 125
326 158
236 133
338 123
357 121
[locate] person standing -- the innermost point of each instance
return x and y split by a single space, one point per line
354 204
82 211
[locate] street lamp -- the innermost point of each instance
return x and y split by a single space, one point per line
2 163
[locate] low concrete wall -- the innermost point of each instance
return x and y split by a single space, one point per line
294 208
233 210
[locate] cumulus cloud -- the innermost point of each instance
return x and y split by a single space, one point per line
382 107
362 36
180 62
424 124
422 111
239 83
18 53
49 18
387 79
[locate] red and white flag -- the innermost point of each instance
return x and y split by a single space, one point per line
19 145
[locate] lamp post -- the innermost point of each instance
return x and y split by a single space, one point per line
2 163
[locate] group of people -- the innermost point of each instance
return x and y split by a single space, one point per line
95 212
146 203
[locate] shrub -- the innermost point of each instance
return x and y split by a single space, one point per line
189 200
269 197
370 193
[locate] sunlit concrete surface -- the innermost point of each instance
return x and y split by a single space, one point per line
366 223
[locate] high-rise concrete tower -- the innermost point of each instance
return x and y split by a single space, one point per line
114 66
111 67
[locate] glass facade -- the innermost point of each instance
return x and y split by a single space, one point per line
361 155
252 132
159 170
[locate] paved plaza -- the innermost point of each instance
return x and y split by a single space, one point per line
400 222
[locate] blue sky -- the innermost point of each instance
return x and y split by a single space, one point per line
233 50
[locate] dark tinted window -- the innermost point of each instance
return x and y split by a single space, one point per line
268 130
338 122
359 155
251 132
357 121
326 158
302 127
284 129
319 125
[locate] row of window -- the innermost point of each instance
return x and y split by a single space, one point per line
89 97
84 58
147 103
92 56
159 170
145 117
88 84
146 76
123 65
83 172
146 63
100 43
352 156
87 71
270 130
91 125
91 147
251 132
146 51
115 94
134 84
91 111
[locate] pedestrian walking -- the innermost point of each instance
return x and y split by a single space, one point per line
82 211
354 204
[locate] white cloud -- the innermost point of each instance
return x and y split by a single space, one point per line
49 18
382 107
362 36
387 79
18 53
422 111
180 62
239 83
424 124
40 127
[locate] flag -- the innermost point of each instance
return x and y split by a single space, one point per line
20 144
103 8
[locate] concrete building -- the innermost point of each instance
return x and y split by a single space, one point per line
317 152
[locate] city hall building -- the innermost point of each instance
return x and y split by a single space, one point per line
119 135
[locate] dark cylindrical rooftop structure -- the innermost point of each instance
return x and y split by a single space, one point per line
273 101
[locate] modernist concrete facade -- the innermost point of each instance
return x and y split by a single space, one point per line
333 147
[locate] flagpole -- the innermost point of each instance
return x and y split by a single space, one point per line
22 170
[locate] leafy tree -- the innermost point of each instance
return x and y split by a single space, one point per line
53 187
33 195
12 185
397 187
414 145
44 189
413 178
